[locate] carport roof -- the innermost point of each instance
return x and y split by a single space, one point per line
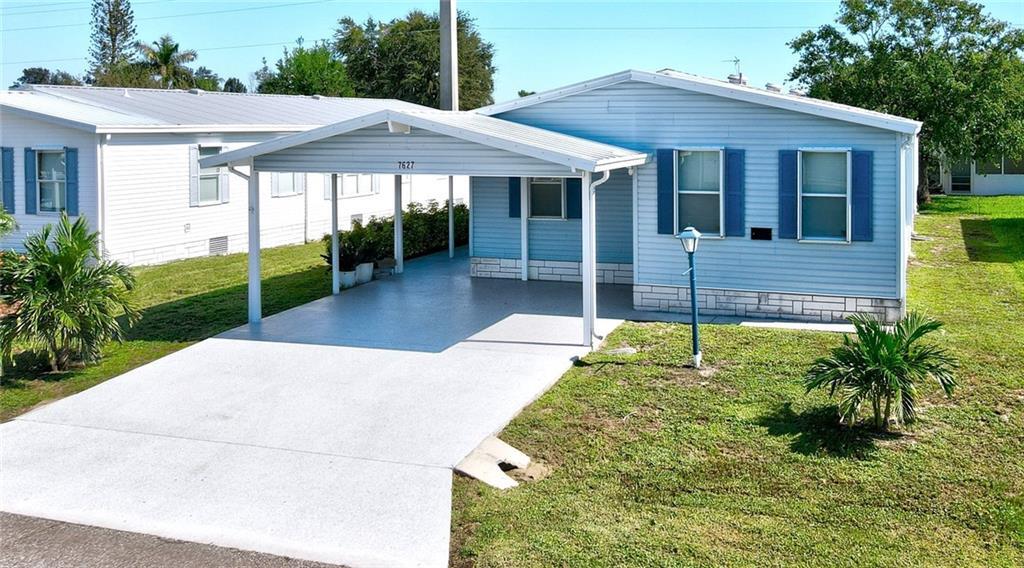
554 147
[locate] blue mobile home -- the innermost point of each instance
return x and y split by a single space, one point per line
806 206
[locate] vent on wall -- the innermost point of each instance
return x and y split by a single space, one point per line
219 245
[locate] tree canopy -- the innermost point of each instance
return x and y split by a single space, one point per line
168 62
942 62
402 59
234 85
306 71
113 35
43 76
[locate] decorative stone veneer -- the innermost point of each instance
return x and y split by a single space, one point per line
558 270
779 305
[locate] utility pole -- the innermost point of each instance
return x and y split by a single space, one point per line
450 92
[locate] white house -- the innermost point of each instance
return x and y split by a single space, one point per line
1004 176
127 159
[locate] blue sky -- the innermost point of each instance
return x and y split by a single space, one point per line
538 45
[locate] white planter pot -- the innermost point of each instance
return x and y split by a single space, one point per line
364 272
348 278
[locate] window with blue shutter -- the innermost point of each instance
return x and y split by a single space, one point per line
735 181
71 177
824 190
666 191
514 197
7 178
787 194
861 189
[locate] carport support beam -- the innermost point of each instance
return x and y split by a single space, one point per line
255 302
335 269
588 261
524 228
399 251
451 217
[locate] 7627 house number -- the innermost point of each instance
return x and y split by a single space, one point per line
406 165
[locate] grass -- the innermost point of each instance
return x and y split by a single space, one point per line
654 464
182 302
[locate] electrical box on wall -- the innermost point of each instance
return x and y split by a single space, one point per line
760 233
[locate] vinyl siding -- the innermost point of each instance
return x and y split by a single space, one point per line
20 132
496 235
647 117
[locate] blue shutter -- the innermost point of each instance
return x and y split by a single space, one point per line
735 170
666 189
573 198
30 181
513 198
71 174
787 194
7 166
861 188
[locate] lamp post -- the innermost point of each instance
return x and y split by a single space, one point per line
690 238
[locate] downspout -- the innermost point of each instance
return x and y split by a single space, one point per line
589 264
101 201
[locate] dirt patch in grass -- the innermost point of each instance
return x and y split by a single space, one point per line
703 378
536 471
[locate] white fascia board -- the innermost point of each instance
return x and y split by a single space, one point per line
619 163
91 128
554 94
204 128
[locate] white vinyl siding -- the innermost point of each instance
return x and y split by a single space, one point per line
699 176
824 195
51 181
547 198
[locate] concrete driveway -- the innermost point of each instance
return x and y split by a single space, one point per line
328 432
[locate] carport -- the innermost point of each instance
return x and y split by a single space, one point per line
432 142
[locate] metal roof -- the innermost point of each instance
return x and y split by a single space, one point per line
526 140
696 83
112 110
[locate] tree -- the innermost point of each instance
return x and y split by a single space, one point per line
402 59
43 76
127 74
206 80
883 368
113 34
234 85
942 62
68 298
306 71
525 93
167 62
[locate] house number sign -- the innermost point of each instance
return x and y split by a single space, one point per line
406 165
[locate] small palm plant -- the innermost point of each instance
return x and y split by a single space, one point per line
883 367
67 298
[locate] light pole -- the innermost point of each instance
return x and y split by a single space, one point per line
690 238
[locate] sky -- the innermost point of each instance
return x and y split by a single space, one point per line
538 45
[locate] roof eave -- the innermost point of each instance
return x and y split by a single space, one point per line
203 128
78 125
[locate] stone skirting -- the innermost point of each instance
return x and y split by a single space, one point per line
780 305
557 270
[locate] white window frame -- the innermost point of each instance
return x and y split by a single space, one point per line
199 190
62 185
529 199
720 192
372 185
800 194
295 184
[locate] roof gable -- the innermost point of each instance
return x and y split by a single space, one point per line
714 87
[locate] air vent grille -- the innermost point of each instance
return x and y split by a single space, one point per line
219 245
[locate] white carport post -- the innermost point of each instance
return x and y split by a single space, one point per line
588 262
255 302
335 269
399 252
524 228
451 217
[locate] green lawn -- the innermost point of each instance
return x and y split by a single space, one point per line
654 464
182 303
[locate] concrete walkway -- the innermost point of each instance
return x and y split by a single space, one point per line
327 433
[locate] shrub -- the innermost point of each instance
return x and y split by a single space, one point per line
66 298
424 231
883 368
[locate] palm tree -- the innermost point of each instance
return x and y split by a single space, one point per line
883 367
68 298
168 62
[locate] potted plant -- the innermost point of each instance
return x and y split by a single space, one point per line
366 252
347 259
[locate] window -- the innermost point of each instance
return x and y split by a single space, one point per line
547 198
960 177
699 191
287 184
1013 167
994 167
209 178
51 177
352 185
824 189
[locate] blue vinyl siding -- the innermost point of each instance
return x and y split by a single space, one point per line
648 117
496 235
